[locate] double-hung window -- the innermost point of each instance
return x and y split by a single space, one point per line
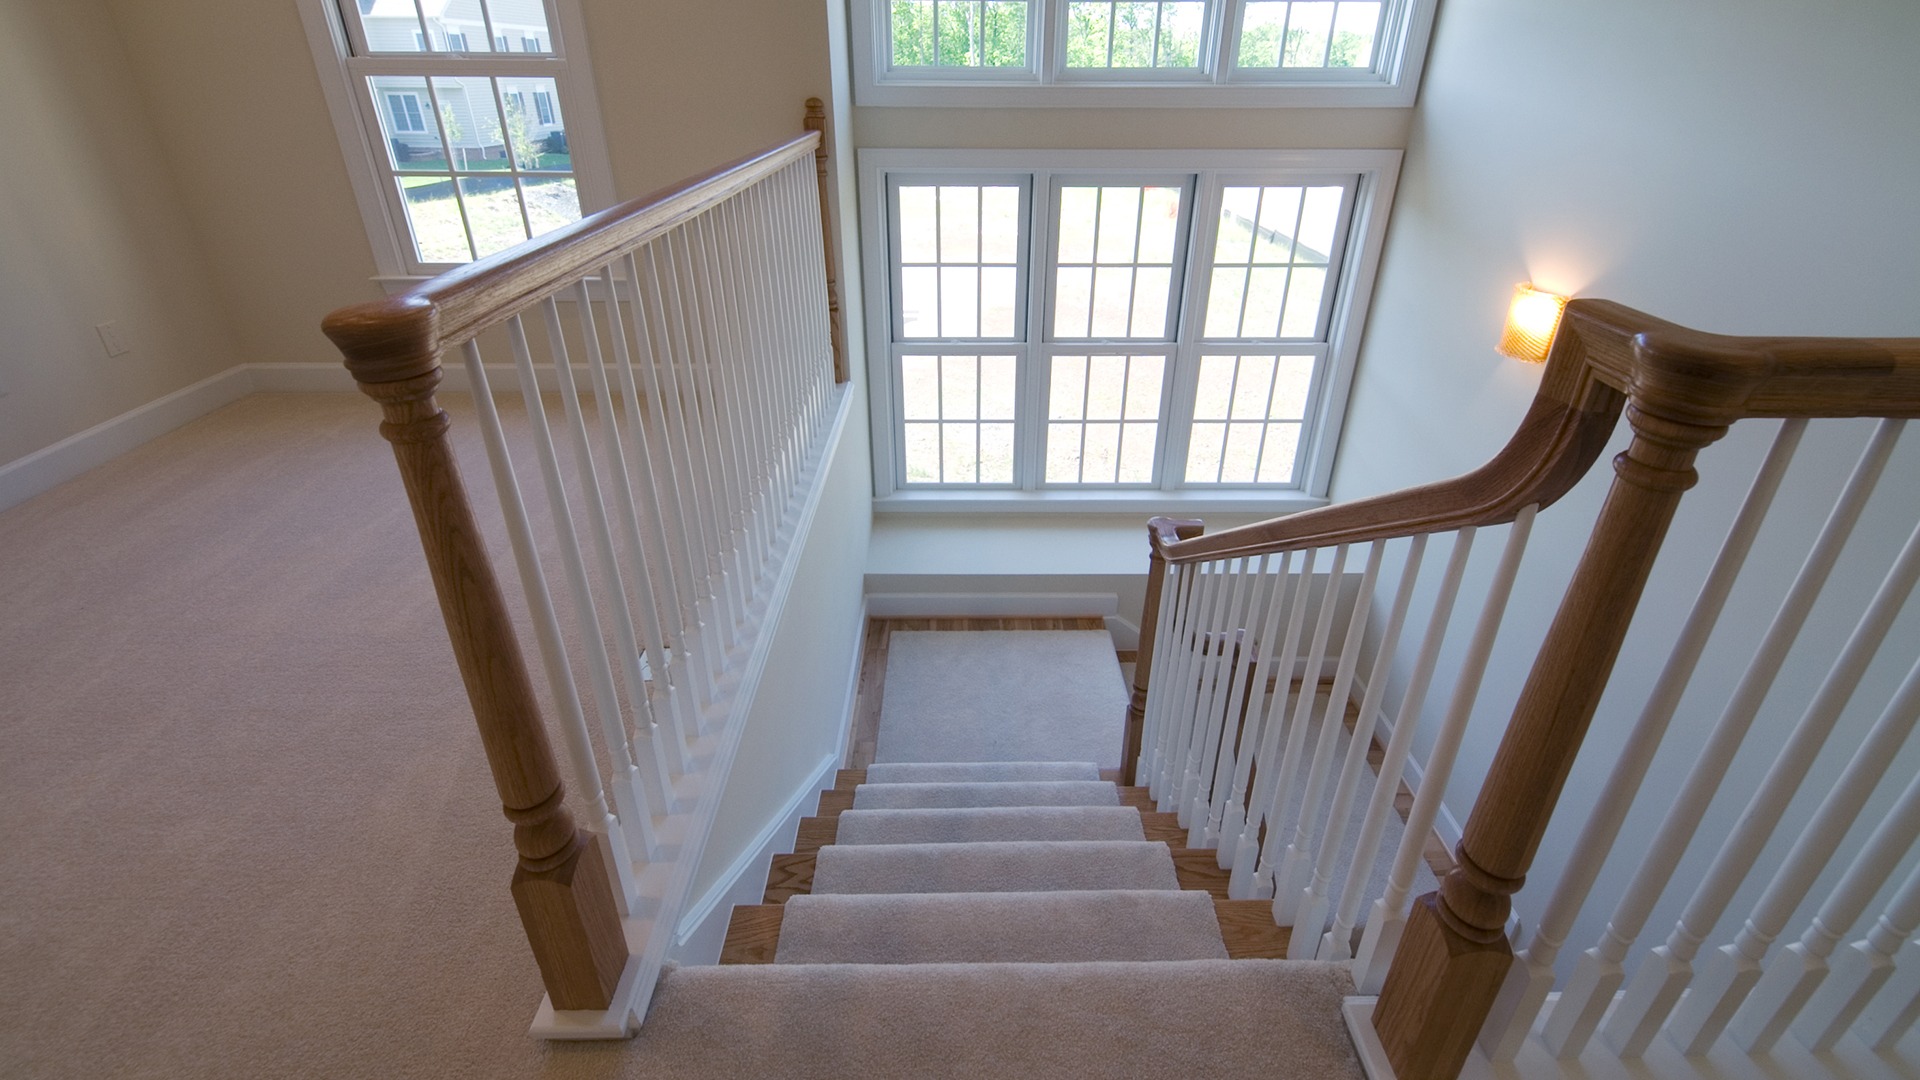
1068 52
468 126
1105 323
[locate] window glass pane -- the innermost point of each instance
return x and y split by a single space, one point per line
493 213
1128 231
1317 34
1235 437
1134 33
959 255
536 132
958 33
1103 419
920 387
1283 237
433 217
551 202
408 122
957 418
392 26
523 23
471 120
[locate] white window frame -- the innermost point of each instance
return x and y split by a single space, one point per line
356 120
1046 81
1350 293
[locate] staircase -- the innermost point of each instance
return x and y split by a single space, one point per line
987 918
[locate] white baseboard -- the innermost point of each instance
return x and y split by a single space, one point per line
990 605
54 465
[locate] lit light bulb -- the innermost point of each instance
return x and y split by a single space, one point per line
1531 323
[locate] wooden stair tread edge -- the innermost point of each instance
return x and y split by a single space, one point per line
1247 928
790 875
1198 869
753 934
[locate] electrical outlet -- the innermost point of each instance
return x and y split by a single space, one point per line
111 340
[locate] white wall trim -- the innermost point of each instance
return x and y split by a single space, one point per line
702 930
54 465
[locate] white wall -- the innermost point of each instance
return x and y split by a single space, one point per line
1739 167
92 230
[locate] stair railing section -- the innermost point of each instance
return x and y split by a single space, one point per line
669 385
1236 738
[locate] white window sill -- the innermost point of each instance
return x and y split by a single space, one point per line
1143 503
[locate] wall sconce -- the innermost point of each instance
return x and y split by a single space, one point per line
1531 323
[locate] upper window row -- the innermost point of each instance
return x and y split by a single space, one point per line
996 47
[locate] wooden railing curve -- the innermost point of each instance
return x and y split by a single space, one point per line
1680 390
394 349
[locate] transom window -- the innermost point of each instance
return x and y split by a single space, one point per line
1092 328
983 52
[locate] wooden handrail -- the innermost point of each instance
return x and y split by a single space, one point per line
1605 354
403 336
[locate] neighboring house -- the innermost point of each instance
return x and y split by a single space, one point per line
471 119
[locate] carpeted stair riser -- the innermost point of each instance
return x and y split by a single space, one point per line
912 772
1000 866
992 793
1029 927
953 825
1159 1021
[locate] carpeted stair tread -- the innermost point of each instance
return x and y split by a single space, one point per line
961 824
1022 927
917 772
1175 1020
996 866
985 793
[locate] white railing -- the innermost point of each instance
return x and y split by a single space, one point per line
670 389
1259 636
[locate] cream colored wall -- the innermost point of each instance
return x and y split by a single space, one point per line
238 105
93 229
1743 166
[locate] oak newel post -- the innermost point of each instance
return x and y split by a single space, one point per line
1454 952
560 883
1161 531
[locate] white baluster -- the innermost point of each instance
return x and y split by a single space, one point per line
1290 880
1663 975
1389 917
1217 748
627 777
1273 723
1239 846
1334 945
1153 710
1214 649
1174 659
1317 899
1732 970
1794 975
1279 792
1531 978
571 718
703 326
671 669
1859 972
652 757
1251 671
628 515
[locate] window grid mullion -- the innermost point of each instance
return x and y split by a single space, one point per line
453 177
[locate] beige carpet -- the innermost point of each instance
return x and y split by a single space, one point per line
248 829
1006 695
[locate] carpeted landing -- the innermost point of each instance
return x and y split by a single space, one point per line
999 920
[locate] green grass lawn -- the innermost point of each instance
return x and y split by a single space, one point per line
494 217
